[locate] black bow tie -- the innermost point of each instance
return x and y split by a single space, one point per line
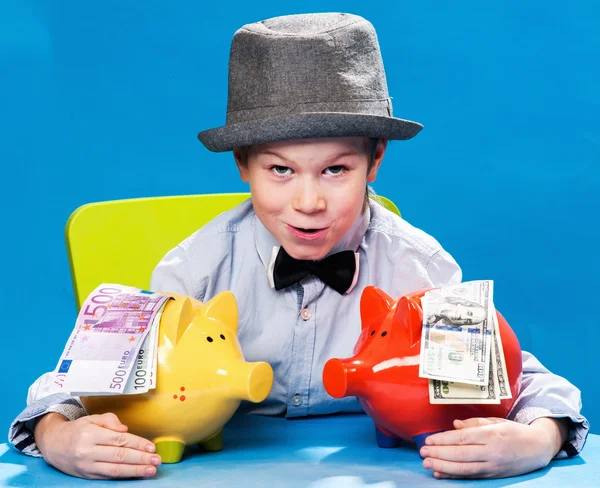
336 270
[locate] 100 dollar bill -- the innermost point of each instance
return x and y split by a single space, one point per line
457 333
497 389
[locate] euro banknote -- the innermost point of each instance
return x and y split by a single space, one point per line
103 348
143 374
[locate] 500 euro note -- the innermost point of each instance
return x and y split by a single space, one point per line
113 322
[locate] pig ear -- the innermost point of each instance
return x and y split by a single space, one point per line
374 303
177 315
223 307
409 315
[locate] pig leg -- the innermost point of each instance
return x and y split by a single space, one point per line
384 439
420 439
214 443
170 451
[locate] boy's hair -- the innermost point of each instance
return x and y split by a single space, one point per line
372 142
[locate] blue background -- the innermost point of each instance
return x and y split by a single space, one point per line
103 100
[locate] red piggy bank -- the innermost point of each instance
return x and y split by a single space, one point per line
384 372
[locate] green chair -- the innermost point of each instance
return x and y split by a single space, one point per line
121 241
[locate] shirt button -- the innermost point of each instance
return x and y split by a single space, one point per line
297 400
306 313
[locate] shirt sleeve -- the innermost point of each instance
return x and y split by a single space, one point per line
40 402
174 274
544 394
443 270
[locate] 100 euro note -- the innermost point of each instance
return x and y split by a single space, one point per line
113 322
497 389
457 333
143 375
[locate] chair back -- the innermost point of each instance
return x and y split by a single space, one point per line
121 241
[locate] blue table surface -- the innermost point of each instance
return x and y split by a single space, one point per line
322 452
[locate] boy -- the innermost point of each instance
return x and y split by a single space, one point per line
308 119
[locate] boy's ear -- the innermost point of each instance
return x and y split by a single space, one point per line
242 167
379 153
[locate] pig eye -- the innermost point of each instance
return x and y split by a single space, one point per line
209 339
222 336
384 333
372 332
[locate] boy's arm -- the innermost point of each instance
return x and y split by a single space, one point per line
39 403
86 446
543 394
173 274
545 423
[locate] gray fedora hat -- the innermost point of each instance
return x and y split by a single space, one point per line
304 76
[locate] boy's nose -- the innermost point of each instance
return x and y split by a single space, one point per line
309 199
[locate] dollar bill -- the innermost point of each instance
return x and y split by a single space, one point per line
451 392
457 333
102 349
502 372
498 387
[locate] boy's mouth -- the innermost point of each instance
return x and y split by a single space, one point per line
308 233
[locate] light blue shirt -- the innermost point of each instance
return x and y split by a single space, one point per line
299 328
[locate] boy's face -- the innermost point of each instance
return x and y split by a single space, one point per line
309 192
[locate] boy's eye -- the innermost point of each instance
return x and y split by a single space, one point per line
335 170
281 170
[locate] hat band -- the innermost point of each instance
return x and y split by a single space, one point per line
381 107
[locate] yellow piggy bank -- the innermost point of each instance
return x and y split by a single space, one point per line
201 378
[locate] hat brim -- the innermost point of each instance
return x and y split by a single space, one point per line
306 126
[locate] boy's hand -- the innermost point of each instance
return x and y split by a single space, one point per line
95 447
493 447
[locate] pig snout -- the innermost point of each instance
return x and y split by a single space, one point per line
335 378
343 377
253 382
